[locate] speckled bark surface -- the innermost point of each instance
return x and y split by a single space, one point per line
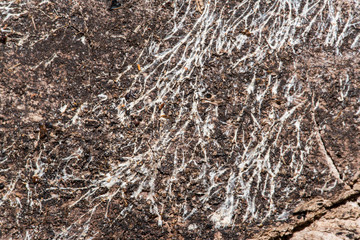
178 119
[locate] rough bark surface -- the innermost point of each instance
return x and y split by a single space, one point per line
184 119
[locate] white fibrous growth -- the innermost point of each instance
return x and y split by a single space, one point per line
249 33
174 68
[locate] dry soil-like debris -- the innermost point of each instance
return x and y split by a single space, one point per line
178 119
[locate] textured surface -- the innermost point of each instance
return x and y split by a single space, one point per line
341 223
177 119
